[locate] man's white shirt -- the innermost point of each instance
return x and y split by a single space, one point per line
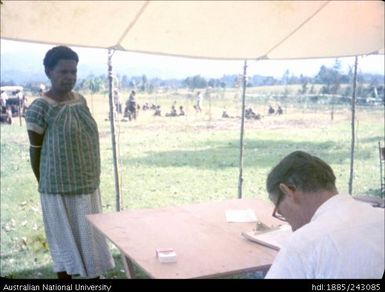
343 240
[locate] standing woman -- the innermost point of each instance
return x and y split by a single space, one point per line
65 158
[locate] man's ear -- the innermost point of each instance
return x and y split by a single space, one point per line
286 190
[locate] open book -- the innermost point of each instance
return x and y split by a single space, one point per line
274 238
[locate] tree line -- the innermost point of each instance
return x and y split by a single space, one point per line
331 79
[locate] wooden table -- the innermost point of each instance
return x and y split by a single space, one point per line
207 246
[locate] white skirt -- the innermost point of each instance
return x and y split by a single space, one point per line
76 247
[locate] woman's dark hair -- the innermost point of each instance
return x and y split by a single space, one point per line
55 54
306 172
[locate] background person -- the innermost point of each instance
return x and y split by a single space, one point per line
117 103
199 100
4 98
65 159
131 107
334 236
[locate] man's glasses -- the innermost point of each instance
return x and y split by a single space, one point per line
276 213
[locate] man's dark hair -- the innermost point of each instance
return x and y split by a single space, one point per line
55 54
306 172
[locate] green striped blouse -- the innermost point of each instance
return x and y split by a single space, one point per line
70 157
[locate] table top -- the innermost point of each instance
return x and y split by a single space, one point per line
207 246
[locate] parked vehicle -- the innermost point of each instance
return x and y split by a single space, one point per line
13 102
13 97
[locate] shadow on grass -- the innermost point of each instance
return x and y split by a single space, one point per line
375 139
43 272
46 272
261 153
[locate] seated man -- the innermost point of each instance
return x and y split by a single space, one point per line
279 110
334 235
181 111
157 111
172 113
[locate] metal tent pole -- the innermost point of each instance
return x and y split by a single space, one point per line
240 180
112 124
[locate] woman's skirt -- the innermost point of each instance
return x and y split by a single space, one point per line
76 247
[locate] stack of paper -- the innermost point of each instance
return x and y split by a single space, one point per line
274 239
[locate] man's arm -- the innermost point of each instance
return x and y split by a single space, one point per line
288 264
36 141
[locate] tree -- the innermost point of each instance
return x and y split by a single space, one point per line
133 83
330 77
312 89
8 83
304 82
150 88
285 82
93 85
336 77
348 91
195 82
214 83
335 84
144 84
285 77
125 83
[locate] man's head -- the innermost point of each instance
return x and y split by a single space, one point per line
298 185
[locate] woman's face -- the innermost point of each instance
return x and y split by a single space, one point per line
63 75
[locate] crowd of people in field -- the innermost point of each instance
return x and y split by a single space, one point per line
250 114
132 108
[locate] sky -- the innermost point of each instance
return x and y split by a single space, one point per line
178 67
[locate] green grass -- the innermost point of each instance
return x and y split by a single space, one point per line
173 161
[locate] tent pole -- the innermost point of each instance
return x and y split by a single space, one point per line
240 180
112 123
353 126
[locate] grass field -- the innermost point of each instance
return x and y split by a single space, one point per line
172 161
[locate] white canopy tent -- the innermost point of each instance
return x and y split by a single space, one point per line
232 30
203 29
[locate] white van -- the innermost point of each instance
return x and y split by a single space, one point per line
13 100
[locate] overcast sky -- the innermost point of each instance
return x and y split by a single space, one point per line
177 67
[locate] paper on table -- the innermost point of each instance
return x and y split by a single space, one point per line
246 215
274 239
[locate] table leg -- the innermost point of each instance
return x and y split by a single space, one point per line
128 267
